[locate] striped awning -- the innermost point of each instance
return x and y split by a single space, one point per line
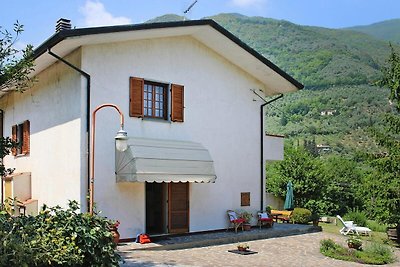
156 160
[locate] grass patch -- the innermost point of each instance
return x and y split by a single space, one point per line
374 253
376 227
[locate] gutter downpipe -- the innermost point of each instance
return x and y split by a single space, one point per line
87 76
262 133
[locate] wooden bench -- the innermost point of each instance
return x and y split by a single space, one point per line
282 215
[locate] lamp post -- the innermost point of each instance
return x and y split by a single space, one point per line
121 144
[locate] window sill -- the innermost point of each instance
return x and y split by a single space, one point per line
156 120
21 155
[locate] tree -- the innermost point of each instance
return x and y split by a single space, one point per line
6 144
303 170
342 178
383 187
15 64
391 77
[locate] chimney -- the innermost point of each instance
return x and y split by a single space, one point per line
63 24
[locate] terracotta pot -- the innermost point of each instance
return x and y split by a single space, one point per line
247 227
242 249
115 234
352 245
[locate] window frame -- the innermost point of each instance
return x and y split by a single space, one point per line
165 109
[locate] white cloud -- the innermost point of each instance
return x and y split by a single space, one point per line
247 3
96 15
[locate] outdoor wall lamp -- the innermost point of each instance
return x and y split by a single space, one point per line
121 144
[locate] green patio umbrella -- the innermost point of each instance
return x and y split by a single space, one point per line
289 201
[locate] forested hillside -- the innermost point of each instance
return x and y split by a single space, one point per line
337 117
317 57
388 30
338 65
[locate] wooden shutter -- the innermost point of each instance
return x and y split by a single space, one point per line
14 138
26 132
177 96
136 97
1 123
178 207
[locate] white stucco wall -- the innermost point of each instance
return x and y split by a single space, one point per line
53 108
219 113
273 147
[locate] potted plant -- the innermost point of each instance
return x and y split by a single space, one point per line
354 242
113 227
268 209
246 216
314 218
243 247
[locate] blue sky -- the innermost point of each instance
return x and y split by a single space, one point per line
39 17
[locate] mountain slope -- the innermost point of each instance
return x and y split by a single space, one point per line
166 17
318 57
388 30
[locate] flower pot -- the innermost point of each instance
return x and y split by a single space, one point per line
115 234
354 246
247 227
242 249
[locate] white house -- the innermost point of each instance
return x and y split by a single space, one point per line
196 142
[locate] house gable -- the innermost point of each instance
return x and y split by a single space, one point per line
208 32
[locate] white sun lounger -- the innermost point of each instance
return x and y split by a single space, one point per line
350 228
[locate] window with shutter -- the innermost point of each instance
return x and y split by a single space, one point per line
21 135
177 103
149 99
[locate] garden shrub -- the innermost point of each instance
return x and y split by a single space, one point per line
376 226
328 244
376 253
56 237
357 217
301 216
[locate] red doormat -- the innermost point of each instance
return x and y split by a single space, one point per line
246 252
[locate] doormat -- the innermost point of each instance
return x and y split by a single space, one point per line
246 252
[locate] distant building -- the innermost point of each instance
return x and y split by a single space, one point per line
328 112
324 148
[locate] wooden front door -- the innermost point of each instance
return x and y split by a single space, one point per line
178 207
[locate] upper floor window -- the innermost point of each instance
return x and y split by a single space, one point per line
21 135
150 99
155 100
